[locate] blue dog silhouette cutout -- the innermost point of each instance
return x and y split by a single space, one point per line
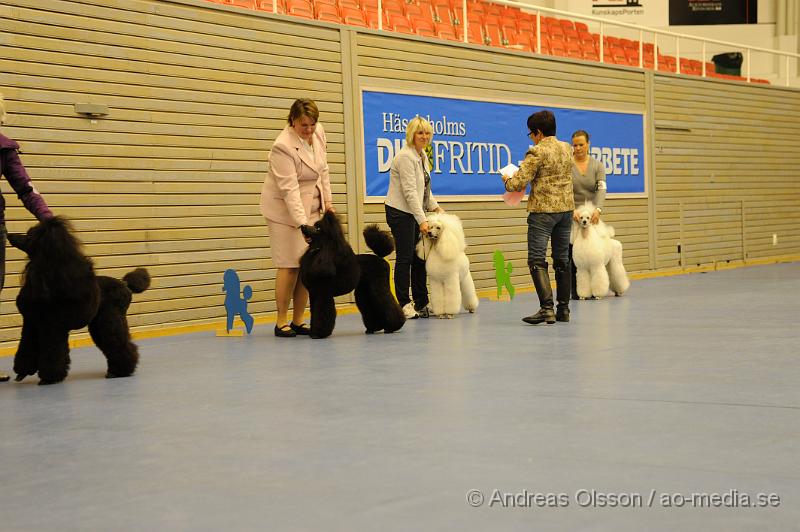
236 304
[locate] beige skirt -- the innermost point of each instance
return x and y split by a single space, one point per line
288 244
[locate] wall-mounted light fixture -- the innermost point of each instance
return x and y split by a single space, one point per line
91 110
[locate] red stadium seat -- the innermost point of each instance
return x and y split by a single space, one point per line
581 27
354 17
400 23
247 4
266 5
571 34
520 41
555 32
558 47
526 21
424 28
574 50
566 24
300 8
445 30
328 13
493 35
474 34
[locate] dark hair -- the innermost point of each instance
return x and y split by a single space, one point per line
303 107
544 121
581 133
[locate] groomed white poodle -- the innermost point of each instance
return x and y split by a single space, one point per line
448 266
597 257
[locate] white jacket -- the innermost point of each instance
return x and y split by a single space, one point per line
407 191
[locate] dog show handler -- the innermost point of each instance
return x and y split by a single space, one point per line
408 199
548 168
588 184
296 191
12 169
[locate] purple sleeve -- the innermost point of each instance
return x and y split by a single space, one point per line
21 183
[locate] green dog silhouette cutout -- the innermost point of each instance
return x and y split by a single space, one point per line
502 274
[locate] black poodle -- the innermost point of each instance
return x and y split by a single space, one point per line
379 309
329 268
60 292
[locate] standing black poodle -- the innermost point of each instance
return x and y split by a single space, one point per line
330 268
60 292
379 309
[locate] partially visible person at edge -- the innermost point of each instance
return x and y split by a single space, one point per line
588 184
296 191
408 200
11 167
548 167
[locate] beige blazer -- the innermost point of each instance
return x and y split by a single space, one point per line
288 191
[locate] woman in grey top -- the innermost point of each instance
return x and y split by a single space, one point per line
588 183
407 201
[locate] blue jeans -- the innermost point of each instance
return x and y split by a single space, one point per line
544 226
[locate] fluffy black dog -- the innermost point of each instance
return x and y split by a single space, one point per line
329 268
60 292
379 309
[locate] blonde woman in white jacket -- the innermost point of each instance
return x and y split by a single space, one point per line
407 201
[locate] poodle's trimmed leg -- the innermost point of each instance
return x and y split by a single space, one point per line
109 330
469 297
599 281
618 277
584 283
26 361
53 355
452 295
323 314
437 297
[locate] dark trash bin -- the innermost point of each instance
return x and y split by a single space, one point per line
728 63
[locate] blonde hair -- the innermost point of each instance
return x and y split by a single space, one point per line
415 125
2 109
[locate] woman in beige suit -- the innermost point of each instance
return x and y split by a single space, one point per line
296 192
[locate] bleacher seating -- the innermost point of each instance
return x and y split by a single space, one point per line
487 24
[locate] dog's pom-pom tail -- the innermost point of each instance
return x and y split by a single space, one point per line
137 280
380 242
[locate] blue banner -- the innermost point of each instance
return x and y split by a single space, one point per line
472 140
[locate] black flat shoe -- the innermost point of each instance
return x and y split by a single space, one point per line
301 330
284 331
4 377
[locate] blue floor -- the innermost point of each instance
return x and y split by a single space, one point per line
688 384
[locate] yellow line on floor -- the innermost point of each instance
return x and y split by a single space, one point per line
83 339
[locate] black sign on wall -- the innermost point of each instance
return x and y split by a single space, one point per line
704 12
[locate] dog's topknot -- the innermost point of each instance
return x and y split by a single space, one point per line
380 242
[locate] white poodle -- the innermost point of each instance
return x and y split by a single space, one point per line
597 257
447 265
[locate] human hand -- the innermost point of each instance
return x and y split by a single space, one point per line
423 227
331 209
595 216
